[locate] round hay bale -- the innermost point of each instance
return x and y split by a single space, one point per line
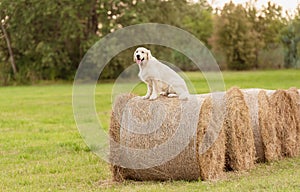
211 140
295 96
258 124
114 134
240 149
284 109
145 126
114 152
251 98
271 144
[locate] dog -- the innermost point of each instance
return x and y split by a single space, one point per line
160 79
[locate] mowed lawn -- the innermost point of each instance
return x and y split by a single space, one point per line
42 150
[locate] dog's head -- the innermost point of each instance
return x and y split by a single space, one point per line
141 55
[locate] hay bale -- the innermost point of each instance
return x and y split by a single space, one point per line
284 109
258 124
114 152
270 92
251 98
240 149
266 118
211 139
295 96
114 134
164 136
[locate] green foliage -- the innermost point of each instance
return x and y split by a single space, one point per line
272 22
290 37
48 37
193 17
271 58
235 36
249 36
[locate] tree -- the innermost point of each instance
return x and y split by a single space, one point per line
272 22
256 20
48 38
193 17
290 37
197 19
267 23
11 54
234 34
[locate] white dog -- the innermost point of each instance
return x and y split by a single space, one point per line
160 78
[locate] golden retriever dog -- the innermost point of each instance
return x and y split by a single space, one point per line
160 78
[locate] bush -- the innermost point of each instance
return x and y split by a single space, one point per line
271 58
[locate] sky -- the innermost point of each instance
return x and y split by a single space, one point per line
289 5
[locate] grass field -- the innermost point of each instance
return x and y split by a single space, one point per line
42 150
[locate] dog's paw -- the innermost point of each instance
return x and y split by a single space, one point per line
153 97
145 97
172 95
163 93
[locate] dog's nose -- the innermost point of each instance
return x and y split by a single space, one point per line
138 57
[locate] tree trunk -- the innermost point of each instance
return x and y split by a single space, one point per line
11 54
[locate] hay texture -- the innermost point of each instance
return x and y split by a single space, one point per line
251 98
240 148
266 118
213 133
114 133
284 107
295 97
211 140
153 123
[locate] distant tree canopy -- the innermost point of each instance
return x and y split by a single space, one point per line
246 35
46 40
49 38
290 38
236 36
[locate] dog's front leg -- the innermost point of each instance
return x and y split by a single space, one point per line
149 90
154 93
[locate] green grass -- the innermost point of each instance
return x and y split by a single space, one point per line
42 150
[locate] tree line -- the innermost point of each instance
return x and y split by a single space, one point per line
46 40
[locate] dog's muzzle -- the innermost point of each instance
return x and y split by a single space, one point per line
139 60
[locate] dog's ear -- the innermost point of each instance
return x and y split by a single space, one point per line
149 55
134 57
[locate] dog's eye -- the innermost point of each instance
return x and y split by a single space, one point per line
142 51
136 51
